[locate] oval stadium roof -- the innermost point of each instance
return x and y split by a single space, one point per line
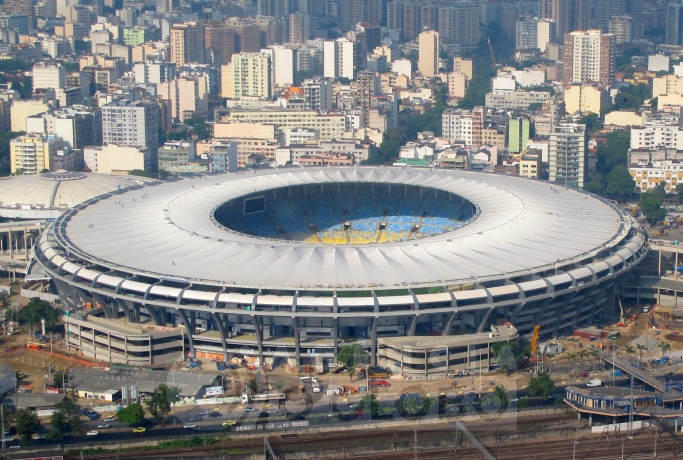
524 227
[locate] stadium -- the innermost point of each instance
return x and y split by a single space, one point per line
424 268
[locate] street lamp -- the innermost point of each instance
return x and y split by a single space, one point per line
614 346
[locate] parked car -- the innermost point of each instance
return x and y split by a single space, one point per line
272 411
229 423
204 412
190 426
38 437
250 409
140 429
104 425
333 414
214 414
93 433
110 419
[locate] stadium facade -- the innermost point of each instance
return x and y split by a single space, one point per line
287 266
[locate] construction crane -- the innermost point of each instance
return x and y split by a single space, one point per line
493 56
534 340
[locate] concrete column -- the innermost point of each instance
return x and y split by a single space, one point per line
25 247
659 266
297 340
125 349
373 342
335 336
590 419
94 345
80 339
676 267
151 354
109 345
258 328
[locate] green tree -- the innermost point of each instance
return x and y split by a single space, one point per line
665 347
632 97
620 183
641 348
479 85
369 404
27 425
351 356
37 309
58 379
596 184
509 355
651 203
132 414
139 173
540 384
161 400
592 121
65 418
496 401
679 192
54 436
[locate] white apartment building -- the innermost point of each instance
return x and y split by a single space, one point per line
154 71
660 130
78 126
457 125
567 154
133 123
339 58
249 74
283 63
49 75
318 94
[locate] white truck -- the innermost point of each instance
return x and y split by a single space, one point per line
594 383
248 398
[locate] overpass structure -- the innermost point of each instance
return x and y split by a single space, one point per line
629 368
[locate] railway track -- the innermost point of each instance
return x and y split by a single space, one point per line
389 438
640 447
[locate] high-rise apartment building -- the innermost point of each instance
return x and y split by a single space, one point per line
534 33
604 10
367 87
518 134
219 41
674 24
622 29
588 57
340 58
458 22
133 123
186 96
283 64
20 7
429 47
187 43
457 124
570 15
249 74
567 154
318 94
356 11
299 27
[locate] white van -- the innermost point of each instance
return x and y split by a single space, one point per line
594 383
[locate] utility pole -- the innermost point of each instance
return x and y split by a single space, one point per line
576 441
